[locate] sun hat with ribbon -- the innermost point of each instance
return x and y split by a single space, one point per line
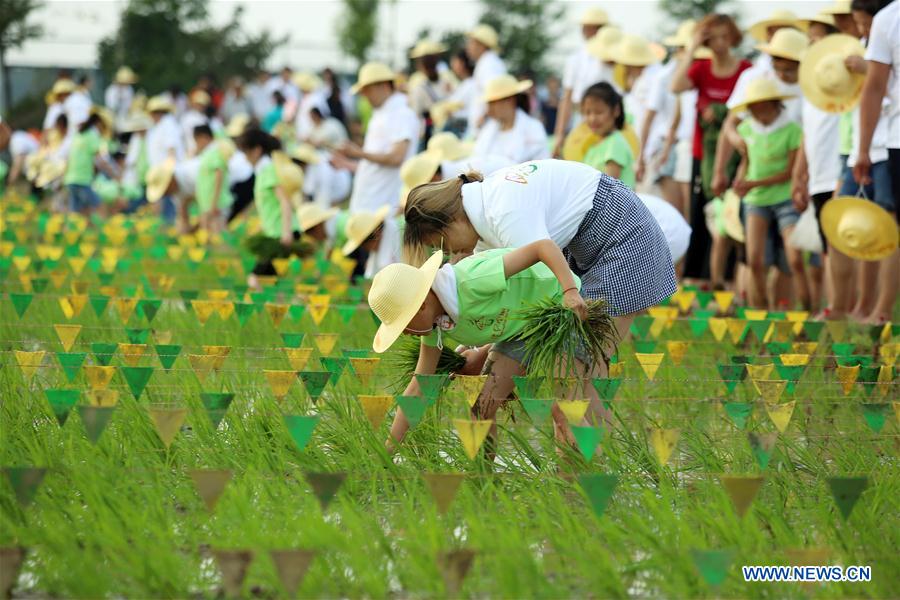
125 76
311 214
779 18
859 228
361 225
634 51
505 86
159 104
760 90
822 17
427 48
397 294
449 147
237 125
604 41
305 153
418 170
486 35
731 216
787 43
839 7
290 176
158 179
824 78
595 16
373 72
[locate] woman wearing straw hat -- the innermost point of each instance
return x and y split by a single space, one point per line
482 45
61 90
120 93
193 117
763 31
377 234
164 142
509 130
430 88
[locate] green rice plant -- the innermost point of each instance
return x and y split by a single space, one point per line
266 248
403 359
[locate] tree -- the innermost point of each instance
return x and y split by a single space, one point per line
680 10
357 27
171 43
15 30
526 31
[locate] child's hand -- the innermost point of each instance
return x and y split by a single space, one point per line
855 64
741 186
719 183
573 300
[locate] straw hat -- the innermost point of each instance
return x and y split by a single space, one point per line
226 148
307 82
48 171
731 216
106 116
397 294
822 17
859 228
305 153
505 86
779 17
824 78
373 72
840 7
139 121
419 169
361 225
602 44
760 90
158 179
159 104
237 125
634 51
290 176
486 35
449 147
786 43
62 86
427 48
595 16
125 76
683 36
441 111
310 214
200 97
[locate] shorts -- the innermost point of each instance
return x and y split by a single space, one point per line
879 191
667 169
782 213
775 255
515 350
894 169
82 197
684 161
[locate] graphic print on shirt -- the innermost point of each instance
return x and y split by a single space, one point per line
497 324
520 173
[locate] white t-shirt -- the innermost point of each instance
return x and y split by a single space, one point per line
673 225
132 157
329 133
444 287
463 94
688 115
484 164
190 119
78 109
186 176
325 184
583 70
525 140
239 168
303 122
542 199
376 185
22 143
162 138
260 100
884 48
660 100
821 144
118 99
388 251
792 107
878 150
488 67
53 112
290 91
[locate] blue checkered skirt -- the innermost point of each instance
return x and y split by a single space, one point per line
620 253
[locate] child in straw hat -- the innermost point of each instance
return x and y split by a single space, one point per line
87 151
377 234
482 47
509 130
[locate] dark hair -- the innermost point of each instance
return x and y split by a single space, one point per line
429 64
203 130
606 94
871 7
315 110
92 121
257 138
83 80
829 29
523 102
278 97
62 121
717 19
466 61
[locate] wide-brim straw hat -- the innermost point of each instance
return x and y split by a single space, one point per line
731 216
839 7
449 147
237 125
397 294
760 90
440 111
290 176
787 43
780 17
604 42
418 170
505 86
634 51
159 104
859 228
139 121
427 48
486 35
595 16
307 82
824 78
48 171
822 17
200 97
63 86
683 35
158 179
311 214
373 72
305 153
125 76
107 117
361 225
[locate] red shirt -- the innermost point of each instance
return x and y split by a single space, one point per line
710 90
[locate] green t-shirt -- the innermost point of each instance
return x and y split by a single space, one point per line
84 148
768 154
845 133
108 190
212 161
615 148
267 205
488 300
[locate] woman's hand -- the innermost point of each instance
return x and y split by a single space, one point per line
573 300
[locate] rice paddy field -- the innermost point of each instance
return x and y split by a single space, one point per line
167 433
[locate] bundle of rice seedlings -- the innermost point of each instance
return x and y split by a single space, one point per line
266 248
402 362
553 332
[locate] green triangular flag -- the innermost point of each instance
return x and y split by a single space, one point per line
759 328
526 387
21 302
314 382
243 311
355 353
325 486
167 354
296 311
95 419
99 304
644 346
216 405
292 340
137 336
875 415
301 428
846 491
71 363
739 412
587 439
791 374
640 327
843 349
606 388
149 307
762 445
537 408
868 377
414 407
813 329
731 374
61 403
431 385
39 284
355 294
188 295
334 365
599 488
136 378
25 482
346 312
705 314
698 326
875 332
713 565
103 352
778 348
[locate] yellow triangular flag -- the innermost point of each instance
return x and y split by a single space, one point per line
22 262
837 330
67 335
196 254
375 408
102 397
616 370
225 308
470 386
770 391
885 379
781 331
718 327
797 318
804 347
736 328
125 307
80 287
280 382
29 362
667 313
889 353
167 422
73 304
132 353
742 490
723 300
780 414
760 372
325 342
163 337
99 376
281 265
58 277
276 312
847 377
657 327
218 354
87 250
318 307
363 368
203 308
685 300
298 357
203 365
794 360
663 442
573 410
472 434
755 314
677 350
649 362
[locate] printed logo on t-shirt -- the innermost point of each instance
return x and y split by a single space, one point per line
497 325
520 173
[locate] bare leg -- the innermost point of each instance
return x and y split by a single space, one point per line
717 259
867 280
888 281
814 280
757 230
500 369
798 269
840 271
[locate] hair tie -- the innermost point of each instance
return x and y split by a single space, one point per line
464 178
